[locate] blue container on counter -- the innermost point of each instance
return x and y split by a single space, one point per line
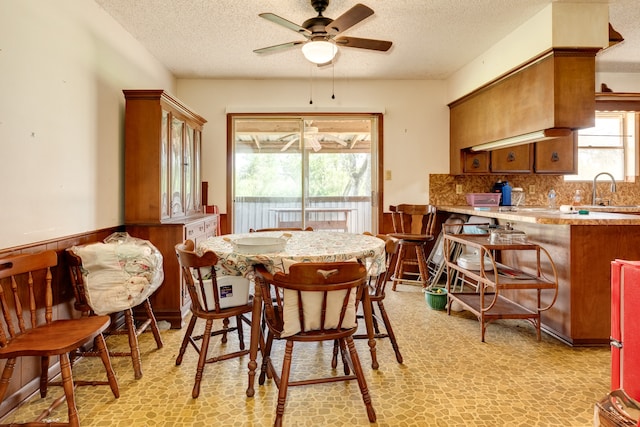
505 189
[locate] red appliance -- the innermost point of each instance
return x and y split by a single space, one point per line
625 327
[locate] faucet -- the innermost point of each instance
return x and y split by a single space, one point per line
594 197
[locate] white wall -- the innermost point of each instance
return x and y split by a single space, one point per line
64 64
557 25
619 82
416 123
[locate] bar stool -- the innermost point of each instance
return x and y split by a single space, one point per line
413 227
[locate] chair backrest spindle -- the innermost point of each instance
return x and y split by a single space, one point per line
31 272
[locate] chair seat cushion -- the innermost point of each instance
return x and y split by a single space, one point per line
311 308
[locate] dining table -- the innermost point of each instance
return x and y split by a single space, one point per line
300 246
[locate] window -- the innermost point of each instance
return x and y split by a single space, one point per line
298 171
610 146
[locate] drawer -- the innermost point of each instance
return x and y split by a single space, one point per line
210 226
194 230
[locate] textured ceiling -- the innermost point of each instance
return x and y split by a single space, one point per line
431 38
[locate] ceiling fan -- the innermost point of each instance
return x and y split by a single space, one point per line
324 34
312 138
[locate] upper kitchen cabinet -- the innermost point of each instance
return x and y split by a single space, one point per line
557 156
162 158
512 159
550 95
475 162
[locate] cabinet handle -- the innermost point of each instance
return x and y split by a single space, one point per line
615 343
555 157
511 157
475 164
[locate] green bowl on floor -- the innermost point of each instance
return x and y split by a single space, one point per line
436 298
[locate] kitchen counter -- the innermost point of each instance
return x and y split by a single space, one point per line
542 215
582 247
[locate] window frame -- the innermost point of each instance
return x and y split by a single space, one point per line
629 137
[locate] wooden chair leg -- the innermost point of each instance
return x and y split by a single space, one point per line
422 265
7 373
44 375
206 337
392 336
357 368
284 383
133 343
154 324
185 340
240 331
266 355
225 326
106 361
67 384
399 270
345 360
334 357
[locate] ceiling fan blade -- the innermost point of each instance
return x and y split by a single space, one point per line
334 138
285 23
361 43
348 19
288 144
278 47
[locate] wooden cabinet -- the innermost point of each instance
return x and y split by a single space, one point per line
475 161
557 156
162 158
171 301
517 159
491 302
552 91
163 200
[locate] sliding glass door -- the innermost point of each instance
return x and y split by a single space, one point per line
304 171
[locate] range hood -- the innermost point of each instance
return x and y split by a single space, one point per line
526 138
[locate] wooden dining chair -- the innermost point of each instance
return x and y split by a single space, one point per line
376 286
131 329
413 226
29 329
314 302
200 277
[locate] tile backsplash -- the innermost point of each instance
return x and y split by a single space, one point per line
442 189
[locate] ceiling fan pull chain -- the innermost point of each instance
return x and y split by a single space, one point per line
310 84
333 80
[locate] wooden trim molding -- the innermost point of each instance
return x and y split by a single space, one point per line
25 380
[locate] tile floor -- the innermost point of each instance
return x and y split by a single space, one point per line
449 378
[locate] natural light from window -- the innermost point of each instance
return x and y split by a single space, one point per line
609 146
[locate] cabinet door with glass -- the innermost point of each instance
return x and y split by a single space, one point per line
176 172
165 209
192 196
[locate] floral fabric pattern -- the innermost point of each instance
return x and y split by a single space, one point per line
302 246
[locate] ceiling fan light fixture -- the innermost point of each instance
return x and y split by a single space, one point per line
319 52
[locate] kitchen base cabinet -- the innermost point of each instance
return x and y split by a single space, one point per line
171 301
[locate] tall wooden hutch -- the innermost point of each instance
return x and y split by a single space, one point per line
163 200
